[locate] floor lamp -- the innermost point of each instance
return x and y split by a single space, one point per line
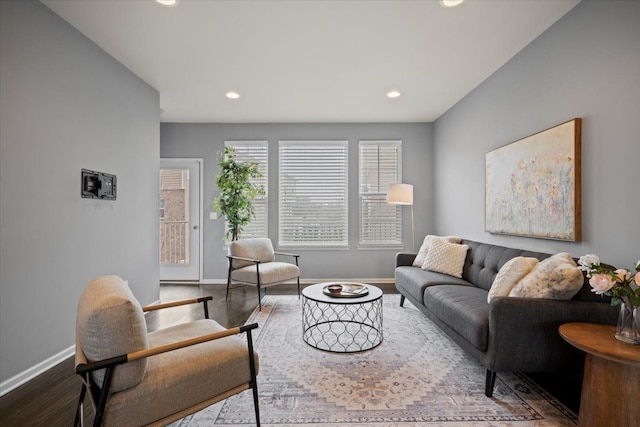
402 194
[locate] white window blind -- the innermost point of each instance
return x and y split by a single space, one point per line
313 193
255 151
380 165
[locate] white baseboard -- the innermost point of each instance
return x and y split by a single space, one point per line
21 378
25 376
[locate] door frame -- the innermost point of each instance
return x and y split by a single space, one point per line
200 162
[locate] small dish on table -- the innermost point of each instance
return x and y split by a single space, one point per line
345 290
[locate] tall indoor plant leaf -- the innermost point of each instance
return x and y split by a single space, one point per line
236 192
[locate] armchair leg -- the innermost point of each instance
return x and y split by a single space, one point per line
254 381
79 420
104 395
226 298
298 287
256 405
489 383
259 298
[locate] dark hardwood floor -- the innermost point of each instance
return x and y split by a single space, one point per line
50 399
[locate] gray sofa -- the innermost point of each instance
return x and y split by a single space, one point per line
509 334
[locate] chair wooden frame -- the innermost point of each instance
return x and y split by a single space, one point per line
257 262
100 395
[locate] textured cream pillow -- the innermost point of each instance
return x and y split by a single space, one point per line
110 322
259 248
426 244
557 277
510 274
445 257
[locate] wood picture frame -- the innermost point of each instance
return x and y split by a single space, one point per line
533 185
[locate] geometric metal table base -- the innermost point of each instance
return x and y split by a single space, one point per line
341 325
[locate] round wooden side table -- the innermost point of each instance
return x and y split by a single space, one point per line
611 382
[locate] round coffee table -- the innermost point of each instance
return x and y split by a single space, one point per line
341 325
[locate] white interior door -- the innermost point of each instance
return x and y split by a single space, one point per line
180 218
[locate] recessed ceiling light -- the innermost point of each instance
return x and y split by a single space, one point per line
393 94
167 2
450 3
232 95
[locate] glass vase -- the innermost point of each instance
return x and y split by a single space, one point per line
628 329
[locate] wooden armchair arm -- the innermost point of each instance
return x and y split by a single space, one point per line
84 368
287 254
202 300
176 303
232 257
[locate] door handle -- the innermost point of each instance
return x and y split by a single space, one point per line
195 227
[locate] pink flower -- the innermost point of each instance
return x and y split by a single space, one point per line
637 278
601 283
622 275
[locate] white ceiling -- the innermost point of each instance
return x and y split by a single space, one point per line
311 61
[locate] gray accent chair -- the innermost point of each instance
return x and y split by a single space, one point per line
139 378
253 262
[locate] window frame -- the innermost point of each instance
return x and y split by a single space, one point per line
329 158
378 196
261 201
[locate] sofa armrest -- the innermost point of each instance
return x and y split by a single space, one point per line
523 332
404 259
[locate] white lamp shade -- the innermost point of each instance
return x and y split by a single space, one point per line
400 194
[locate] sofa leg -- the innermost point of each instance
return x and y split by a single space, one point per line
401 300
490 381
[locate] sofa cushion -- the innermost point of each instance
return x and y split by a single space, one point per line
557 277
484 261
426 245
447 258
510 274
413 281
270 273
464 309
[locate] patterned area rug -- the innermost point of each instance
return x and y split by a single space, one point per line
416 377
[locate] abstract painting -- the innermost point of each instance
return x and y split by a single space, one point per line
532 186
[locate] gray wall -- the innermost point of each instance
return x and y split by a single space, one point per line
586 65
206 140
66 105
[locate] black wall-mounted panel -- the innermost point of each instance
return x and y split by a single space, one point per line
98 185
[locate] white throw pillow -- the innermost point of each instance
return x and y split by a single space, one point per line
509 275
426 244
557 277
445 257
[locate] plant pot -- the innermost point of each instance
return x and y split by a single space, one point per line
628 329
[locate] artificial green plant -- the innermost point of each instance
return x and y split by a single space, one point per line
236 192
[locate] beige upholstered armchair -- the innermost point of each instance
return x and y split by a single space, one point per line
252 262
136 378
